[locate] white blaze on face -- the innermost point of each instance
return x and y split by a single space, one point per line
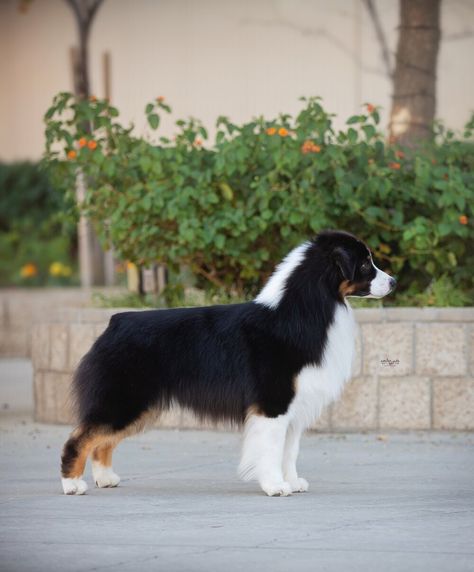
381 285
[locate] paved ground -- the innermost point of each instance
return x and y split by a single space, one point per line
401 503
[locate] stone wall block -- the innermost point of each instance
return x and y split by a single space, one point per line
59 360
387 349
441 349
40 344
81 338
357 409
453 403
405 403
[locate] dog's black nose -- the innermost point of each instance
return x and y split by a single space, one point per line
392 283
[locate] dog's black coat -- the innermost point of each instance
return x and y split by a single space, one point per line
220 360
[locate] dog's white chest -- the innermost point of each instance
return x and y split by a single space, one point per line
317 386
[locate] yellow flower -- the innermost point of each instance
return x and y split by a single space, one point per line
56 269
60 269
28 270
271 131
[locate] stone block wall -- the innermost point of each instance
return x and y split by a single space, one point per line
20 308
414 369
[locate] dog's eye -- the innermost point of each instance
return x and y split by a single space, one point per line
365 267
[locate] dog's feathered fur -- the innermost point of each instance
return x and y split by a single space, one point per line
222 362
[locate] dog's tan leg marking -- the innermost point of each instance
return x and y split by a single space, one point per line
74 457
104 475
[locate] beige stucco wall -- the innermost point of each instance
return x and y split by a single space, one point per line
210 57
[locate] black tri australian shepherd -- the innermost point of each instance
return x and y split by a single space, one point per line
271 364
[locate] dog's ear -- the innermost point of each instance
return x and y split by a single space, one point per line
345 263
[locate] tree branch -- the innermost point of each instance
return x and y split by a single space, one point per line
381 37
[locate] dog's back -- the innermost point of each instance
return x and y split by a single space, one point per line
194 357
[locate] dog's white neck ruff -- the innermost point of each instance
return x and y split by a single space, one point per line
273 291
318 386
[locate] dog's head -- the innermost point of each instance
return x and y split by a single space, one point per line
352 267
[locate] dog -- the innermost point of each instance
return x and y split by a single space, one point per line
271 364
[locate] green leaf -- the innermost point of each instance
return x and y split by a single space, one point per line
145 163
227 191
154 120
352 135
369 131
452 259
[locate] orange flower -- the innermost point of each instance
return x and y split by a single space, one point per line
198 142
394 165
271 131
92 98
82 142
282 132
160 99
400 154
310 147
463 219
71 154
92 145
29 270
370 108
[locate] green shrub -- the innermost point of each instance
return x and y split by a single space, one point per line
231 209
36 247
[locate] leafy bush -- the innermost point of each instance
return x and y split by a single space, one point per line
36 246
231 209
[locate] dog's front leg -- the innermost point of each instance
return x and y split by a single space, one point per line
262 453
290 455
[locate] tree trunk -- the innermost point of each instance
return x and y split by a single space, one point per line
414 93
84 12
91 258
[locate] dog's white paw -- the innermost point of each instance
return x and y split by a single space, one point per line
299 485
276 489
75 486
105 477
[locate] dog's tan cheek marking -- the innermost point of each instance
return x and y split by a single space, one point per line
346 288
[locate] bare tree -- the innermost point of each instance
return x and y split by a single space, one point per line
380 34
414 82
84 13
91 258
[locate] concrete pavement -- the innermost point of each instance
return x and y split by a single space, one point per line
396 503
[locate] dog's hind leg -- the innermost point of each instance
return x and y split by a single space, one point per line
74 457
104 475
262 453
